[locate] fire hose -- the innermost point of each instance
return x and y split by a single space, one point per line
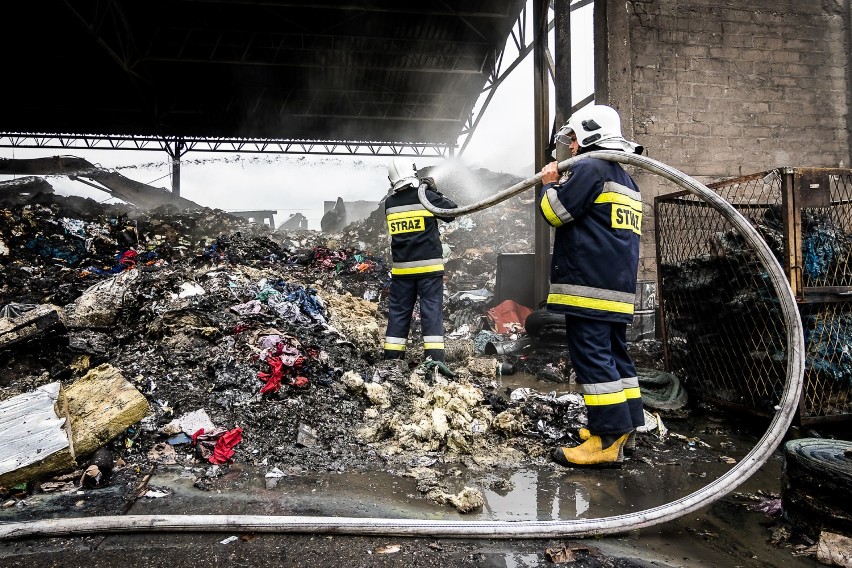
738 474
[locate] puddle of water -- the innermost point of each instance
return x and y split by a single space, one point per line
531 493
245 491
75 503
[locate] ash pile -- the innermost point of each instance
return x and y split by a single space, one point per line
229 342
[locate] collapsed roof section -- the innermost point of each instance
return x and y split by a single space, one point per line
141 195
379 70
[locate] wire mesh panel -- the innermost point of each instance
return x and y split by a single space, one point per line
721 323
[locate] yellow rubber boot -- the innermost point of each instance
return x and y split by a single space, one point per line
591 453
628 448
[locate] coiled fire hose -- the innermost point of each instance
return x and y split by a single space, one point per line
714 490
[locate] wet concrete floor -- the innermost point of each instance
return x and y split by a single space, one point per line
724 534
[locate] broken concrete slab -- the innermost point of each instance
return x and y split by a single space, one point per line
100 406
33 437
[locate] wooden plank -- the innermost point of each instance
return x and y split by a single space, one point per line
33 321
33 438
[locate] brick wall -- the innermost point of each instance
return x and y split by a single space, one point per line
723 88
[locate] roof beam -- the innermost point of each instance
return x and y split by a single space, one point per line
244 145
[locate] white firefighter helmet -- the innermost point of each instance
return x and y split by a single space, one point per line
402 173
597 125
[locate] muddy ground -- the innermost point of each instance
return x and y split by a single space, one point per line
278 335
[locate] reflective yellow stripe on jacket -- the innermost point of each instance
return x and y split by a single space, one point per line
553 210
418 267
591 298
626 206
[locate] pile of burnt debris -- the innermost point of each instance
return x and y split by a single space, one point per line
195 338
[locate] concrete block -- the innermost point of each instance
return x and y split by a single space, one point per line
100 406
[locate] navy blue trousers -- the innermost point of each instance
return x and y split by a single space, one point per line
607 374
404 292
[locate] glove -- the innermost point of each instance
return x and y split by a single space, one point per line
430 183
430 364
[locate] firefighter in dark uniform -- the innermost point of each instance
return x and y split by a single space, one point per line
596 209
418 264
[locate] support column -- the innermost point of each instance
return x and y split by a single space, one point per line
541 132
175 149
562 60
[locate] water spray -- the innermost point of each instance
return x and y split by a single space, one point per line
754 460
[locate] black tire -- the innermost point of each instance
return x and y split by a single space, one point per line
544 323
816 483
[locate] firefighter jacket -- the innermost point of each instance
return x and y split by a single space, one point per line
415 240
597 211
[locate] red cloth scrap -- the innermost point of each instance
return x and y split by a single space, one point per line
224 449
272 378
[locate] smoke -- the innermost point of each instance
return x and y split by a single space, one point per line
464 185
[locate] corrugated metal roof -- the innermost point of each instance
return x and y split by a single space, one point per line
382 70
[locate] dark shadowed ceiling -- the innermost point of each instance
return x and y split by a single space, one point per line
381 70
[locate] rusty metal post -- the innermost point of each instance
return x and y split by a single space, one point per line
541 133
792 232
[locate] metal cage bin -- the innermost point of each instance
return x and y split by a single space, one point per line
721 327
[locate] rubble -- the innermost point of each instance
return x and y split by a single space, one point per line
257 349
261 347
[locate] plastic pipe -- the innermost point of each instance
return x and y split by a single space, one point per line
507 347
503 529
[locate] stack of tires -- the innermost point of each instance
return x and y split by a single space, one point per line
817 485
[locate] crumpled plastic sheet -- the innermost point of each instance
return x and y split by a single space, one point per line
509 316
828 336
223 451
309 303
123 261
824 245
288 310
278 344
770 506
70 253
266 293
13 310
481 295
217 251
462 332
272 379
